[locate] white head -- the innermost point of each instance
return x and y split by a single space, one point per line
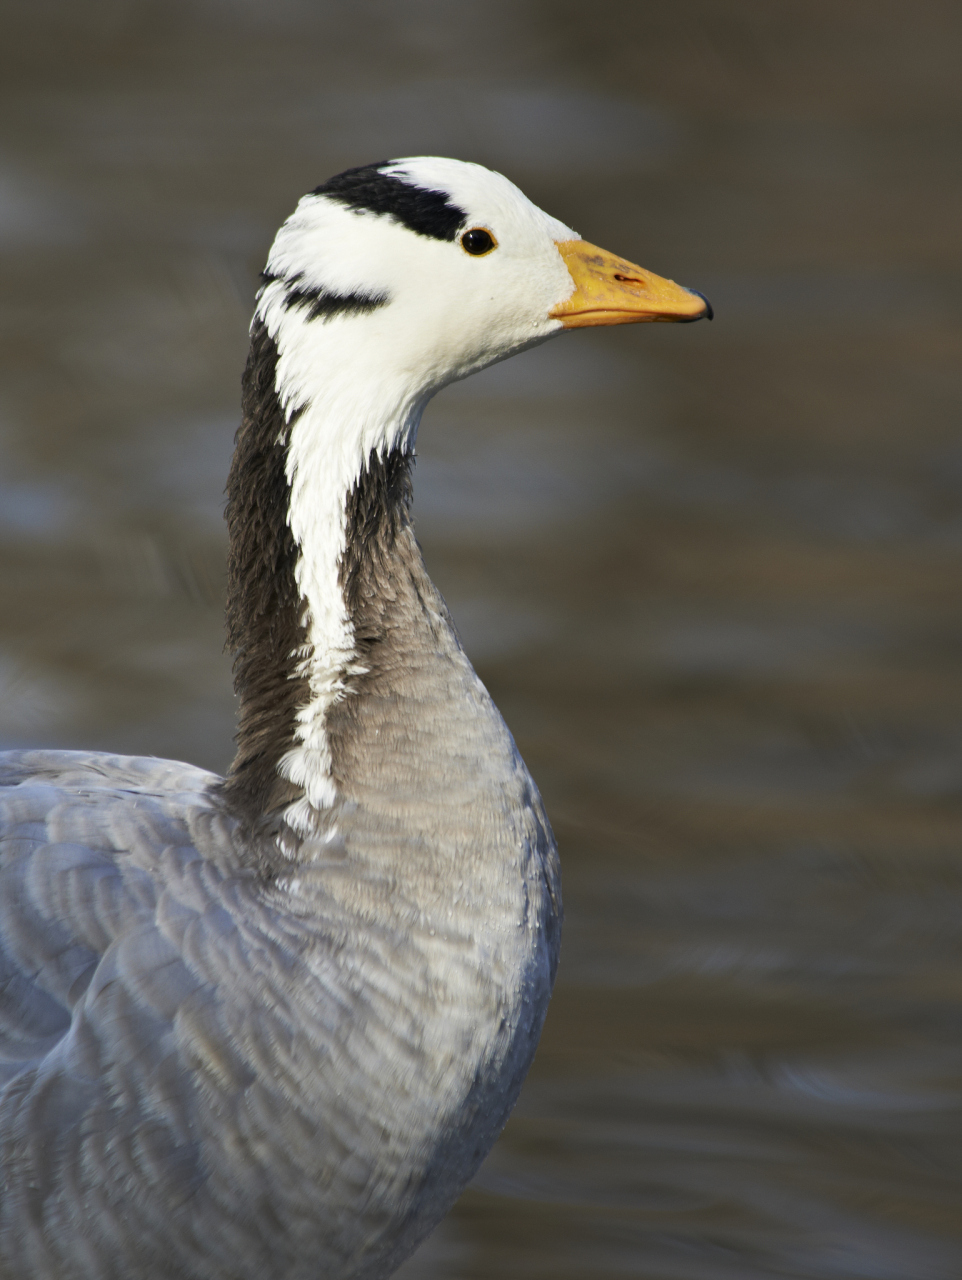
445 311
401 240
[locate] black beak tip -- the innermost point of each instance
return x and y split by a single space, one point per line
709 312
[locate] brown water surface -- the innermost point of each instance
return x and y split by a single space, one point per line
711 574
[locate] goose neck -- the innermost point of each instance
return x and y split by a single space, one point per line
318 517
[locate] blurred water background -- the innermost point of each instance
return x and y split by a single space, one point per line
710 574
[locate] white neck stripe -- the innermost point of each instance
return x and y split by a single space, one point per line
337 420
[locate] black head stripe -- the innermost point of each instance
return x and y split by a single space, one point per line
322 304
429 213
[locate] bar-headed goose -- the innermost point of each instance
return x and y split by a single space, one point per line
267 1026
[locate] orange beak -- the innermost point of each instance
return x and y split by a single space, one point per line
609 290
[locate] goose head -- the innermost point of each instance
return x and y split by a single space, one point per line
411 274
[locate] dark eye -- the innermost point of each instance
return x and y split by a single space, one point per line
478 241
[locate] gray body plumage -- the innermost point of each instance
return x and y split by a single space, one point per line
266 1027
221 1060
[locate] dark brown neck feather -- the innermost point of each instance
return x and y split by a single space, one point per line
378 512
264 609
